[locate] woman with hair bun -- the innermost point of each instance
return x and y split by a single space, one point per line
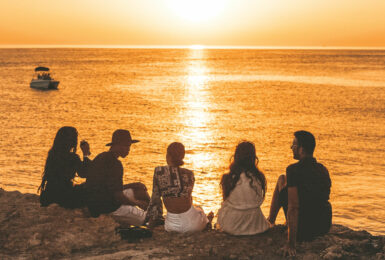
174 185
244 189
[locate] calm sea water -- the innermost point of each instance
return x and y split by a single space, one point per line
209 100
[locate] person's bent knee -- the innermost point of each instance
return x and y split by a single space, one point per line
281 182
136 186
129 193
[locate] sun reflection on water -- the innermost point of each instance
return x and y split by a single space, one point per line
197 133
194 113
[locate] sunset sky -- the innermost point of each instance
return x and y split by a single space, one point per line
325 23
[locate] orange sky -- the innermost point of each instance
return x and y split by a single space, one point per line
187 22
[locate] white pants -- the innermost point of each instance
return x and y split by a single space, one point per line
130 214
190 221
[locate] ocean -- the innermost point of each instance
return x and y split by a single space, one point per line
210 100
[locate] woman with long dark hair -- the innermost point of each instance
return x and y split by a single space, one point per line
60 169
244 189
174 185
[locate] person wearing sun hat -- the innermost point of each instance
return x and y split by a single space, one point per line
106 193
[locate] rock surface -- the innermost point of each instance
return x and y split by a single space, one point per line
28 231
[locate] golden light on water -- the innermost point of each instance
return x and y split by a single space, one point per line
209 100
198 133
196 101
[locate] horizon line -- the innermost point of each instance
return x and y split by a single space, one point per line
193 46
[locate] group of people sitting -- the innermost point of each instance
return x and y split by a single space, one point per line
303 192
46 76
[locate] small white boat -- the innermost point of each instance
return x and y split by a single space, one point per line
42 79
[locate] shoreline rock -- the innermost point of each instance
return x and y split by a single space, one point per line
28 231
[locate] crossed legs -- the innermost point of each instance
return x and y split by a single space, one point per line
132 215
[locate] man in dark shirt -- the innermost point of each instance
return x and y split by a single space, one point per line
104 185
304 194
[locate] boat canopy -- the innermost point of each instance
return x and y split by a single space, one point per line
41 69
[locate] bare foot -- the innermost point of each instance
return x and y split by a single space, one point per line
210 217
272 223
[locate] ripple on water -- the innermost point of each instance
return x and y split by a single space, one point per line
210 101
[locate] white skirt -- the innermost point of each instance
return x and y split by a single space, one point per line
241 221
193 220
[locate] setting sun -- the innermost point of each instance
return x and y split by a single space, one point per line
186 22
197 47
197 10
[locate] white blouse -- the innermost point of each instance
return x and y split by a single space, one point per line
243 196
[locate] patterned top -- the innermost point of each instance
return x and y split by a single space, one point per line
168 182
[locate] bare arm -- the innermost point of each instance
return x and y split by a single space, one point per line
124 200
155 208
292 217
85 164
85 147
119 197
